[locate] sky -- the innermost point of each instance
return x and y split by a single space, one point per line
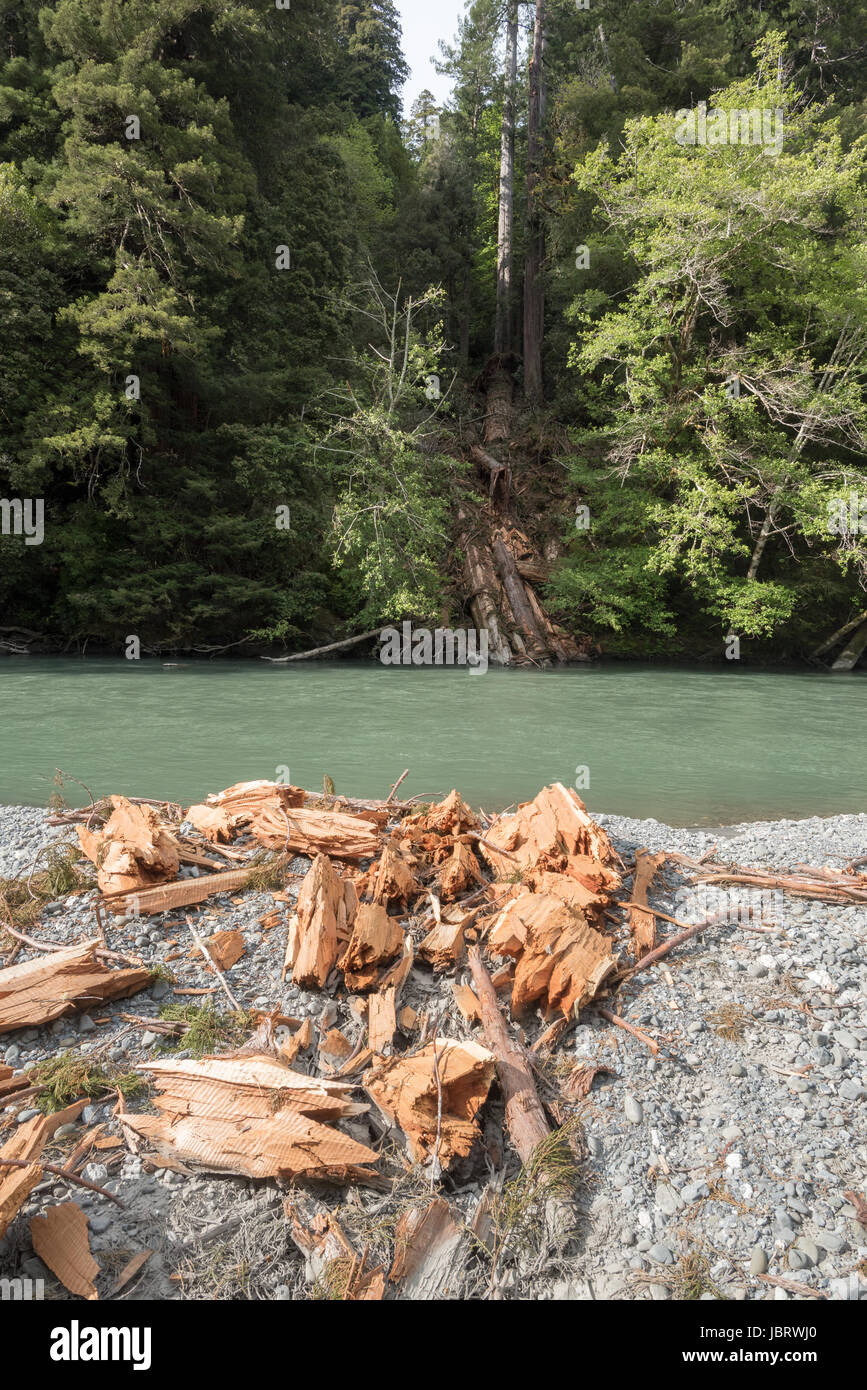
425 22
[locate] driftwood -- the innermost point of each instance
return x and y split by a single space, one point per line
62 983
429 1253
525 1118
855 649
251 1115
182 893
325 651
642 923
838 636
433 1096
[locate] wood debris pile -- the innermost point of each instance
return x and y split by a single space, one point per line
490 926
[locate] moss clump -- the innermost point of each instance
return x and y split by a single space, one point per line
71 1076
205 1030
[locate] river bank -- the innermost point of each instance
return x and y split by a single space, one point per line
724 1157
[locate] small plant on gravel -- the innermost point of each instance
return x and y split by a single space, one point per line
268 872
159 971
71 1076
22 899
730 1021
552 1172
691 1278
206 1030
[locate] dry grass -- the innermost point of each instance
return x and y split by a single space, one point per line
730 1021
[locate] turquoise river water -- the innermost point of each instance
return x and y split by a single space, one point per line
686 746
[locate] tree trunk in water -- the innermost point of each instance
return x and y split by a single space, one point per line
484 590
519 603
534 302
849 659
503 326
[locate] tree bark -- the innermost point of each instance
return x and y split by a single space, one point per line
505 233
534 301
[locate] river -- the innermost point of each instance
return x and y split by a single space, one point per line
686 746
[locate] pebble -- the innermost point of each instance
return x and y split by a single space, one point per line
661 1255
758 1261
25 1115
633 1110
667 1199
95 1172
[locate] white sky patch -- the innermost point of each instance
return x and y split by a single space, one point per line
425 22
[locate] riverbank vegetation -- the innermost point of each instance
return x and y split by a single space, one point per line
255 320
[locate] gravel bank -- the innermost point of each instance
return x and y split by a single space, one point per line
725 1157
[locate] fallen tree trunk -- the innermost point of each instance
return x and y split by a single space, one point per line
495 471
848 659
838 636
520 604
324 651
483 586
525 1118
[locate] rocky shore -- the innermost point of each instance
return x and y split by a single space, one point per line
724 1157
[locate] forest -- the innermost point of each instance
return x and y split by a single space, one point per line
577 357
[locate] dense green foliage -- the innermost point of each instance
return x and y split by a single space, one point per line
229 273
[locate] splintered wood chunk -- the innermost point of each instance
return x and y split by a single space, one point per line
252 1115
311 947
133 849
467 1003
24 1146
560 958
215 823
449 817
64 982
444 945
408 1019
382 1020
394 881
146 902
307 831
429 1252
335 1046
408 1091
642 924
299 1041
224 813
459 873
376 940
225 949
544 832
60 1240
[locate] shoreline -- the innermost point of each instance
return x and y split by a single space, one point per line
733 1144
